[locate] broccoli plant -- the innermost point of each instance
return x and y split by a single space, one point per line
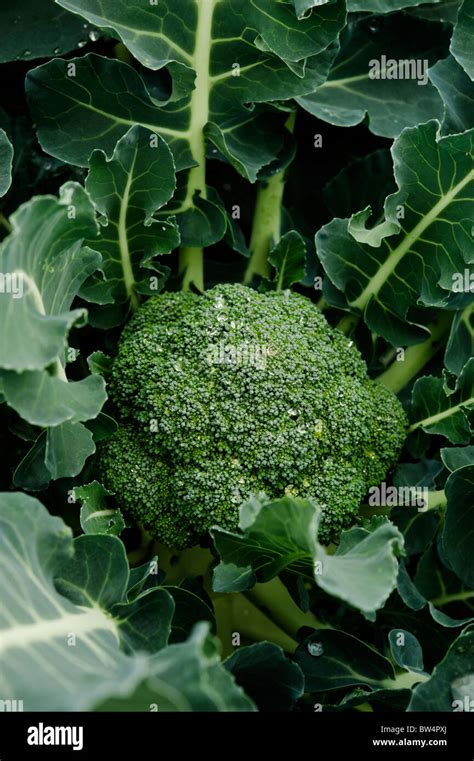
236 355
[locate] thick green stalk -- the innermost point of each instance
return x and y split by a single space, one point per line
5 223
347 323
275 601
191 262
436 500
267 219
191 267
416 357
266 228
404 680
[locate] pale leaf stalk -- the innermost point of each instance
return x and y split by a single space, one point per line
267 219
400 373
191 260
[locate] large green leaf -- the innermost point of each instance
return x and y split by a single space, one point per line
351 91
451 679
460 346
70 638
75 112
264 672
45 400
282 535
47 264
44 253
461 43
451 602
242 53
127 191
331 660
64 651
425 240
31 29
6 161
457 91
364 182
184 677
459 523
437 410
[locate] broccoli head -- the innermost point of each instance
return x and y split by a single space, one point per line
235 392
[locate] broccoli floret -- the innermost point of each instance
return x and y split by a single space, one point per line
235 392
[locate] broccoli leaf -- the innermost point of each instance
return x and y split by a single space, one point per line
187 676
334 659
437 410
223 89
461 43
6 161
282 534
457 92
48 265
127 191
69 639
266 675
46 30
451 682
288 257
96 516
406 650
459 523
355 87
243 53
432 213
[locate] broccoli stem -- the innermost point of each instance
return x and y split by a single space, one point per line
267 219
191 267
400 373
5 223
274 599
404 680
191 261
265 613
436 500
266 228
237 614
347 323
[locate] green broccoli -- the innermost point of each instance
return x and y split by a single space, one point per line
235 392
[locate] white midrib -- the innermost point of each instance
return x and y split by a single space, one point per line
84 623
127 269
395 257
34 292
200 98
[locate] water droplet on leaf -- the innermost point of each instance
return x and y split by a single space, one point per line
315 648
82 43
94 35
